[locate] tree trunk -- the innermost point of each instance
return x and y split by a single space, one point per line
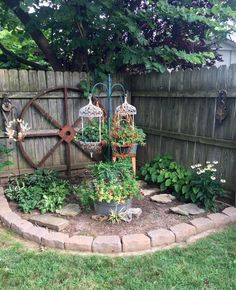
80 60
36 34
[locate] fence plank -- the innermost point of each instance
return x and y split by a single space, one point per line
180 112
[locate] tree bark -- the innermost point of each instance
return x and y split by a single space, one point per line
35 33
80 60
20 59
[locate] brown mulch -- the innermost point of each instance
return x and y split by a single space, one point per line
154 216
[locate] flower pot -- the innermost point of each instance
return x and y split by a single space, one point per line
125 149
133 149
105 208
92 147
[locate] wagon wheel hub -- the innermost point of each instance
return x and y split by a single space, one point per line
67 133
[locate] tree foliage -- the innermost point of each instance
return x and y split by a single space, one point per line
115 35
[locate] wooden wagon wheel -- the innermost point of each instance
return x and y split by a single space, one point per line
65 133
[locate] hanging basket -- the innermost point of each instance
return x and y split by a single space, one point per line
94 148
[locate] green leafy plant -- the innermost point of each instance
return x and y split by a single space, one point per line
91 132
4 152
42 190
139 36
111 182
126 135
198 185
204 187
115 217
166 172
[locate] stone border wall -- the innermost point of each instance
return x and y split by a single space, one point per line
127 244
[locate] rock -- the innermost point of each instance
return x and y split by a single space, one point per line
178 210
99 218
163 198
187 209
49 221
150 191
127 215
71 209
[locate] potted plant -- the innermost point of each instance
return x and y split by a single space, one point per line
125 138
111 188
89 138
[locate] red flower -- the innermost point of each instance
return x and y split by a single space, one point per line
115 135
118 129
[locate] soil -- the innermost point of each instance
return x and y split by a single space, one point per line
154 216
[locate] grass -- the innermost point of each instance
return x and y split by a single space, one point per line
208 264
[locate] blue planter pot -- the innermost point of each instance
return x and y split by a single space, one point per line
104 208
133 149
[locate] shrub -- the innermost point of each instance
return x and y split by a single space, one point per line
166 172
4 152
90 133
126 135
198 185
203 186
42 190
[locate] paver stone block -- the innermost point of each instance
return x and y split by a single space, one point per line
231 212
135 243
79 243
219 219
183 231
202 224
161 237
107 244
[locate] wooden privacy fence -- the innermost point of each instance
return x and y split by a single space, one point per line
178 112
45 116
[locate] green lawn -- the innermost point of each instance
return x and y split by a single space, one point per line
208 264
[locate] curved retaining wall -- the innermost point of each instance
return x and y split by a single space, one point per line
114 244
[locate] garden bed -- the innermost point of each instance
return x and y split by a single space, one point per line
154 216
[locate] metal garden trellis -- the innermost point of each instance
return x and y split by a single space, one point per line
109 87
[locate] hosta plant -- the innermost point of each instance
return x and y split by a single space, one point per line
198 184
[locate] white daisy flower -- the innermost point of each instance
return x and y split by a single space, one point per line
215 162
213 178
222 180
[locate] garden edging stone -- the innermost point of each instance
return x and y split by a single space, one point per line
130 243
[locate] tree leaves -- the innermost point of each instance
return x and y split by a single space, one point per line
106 36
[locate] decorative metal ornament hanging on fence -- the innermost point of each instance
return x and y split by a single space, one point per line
221 107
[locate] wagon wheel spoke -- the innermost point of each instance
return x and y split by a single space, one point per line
50 152
68 158
42 133
46 115
76 123
65 93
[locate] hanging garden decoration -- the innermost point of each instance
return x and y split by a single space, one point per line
124 135
90 135
125 113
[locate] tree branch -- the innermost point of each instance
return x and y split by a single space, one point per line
21 59
35 33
